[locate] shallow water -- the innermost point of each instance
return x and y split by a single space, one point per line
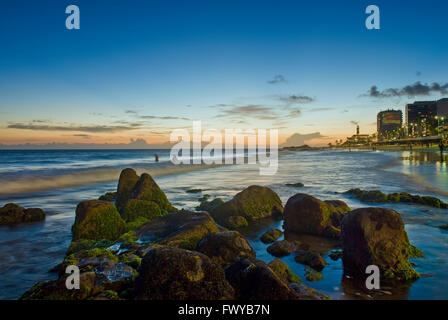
28 251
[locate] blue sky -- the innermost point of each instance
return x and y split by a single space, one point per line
138 69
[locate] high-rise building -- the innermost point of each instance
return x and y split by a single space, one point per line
442 108
389 123
420 117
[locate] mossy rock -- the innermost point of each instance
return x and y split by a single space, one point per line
12 213
175 274
141 208
96 220
194 191
282 270
376 236
283 248
444 227
224 248
297 184
271 236
311 259
147 189
335 255
313 275
109 196
305 214
237 222
126 183
209 206
182 229
254 202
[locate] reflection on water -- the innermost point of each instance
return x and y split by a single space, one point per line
29 251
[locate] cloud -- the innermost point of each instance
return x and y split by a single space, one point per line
277 79
295 99
320 109
79 128
298 139
410 91
354 122
165 118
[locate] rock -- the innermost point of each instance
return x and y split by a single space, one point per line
96 220
194 190
376 196
224 248
335 255
141 208
109 196
12 213
311 259
126 183
298 184
254 280
305 214
181 229
313 275
282 270
209 205
33 214
283 248
237 222
254 202
271 235
177 274
376 236
444 227
147 189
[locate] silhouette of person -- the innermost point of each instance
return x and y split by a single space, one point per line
441 147
156 156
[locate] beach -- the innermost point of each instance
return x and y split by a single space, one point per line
57 181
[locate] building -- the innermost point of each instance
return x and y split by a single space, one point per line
421 118
357 139
442 108
389 124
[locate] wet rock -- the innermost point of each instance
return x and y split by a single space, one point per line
209 205
254 280
177 274
96 220
444 227
194 191
237 222
271 235
12 213
224 248
109 196
297 184
313 275
147 189
282 270
283 248
141 209
254 202
305 214
376 236
126 183
311 259
181 229
335 255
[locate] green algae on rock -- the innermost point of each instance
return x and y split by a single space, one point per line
12 213
271 235
141 209
254 202
96 220
376 236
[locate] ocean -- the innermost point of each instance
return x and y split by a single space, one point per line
58 180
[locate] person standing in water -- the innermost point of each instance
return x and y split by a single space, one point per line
441 147
156 156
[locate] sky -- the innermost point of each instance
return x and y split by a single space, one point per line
140 69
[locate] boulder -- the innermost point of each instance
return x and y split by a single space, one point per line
12 213
444 227
271 235
109 196
254 280
311 259
181 229
237 222
313 275
141 208
254 202
305 214
176 274
209 206
96 220
148 190
224 248
297 184
283 248
376 236
126 183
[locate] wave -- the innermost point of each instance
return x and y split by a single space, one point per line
43 183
